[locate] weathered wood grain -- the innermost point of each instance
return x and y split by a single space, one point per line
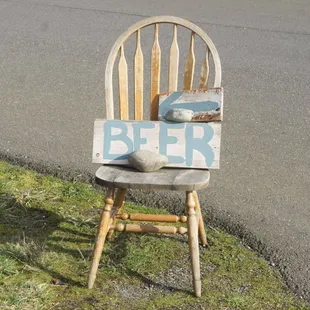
187 145
206 104
155 75
138 79
190 65
204 72
163 179
174 62
123 85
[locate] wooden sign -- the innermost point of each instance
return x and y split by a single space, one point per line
187 145
207 105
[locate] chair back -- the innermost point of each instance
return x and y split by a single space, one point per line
118 49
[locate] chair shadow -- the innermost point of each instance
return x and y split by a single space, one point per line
32 227
122 241
37 225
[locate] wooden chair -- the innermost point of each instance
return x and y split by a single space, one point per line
121 178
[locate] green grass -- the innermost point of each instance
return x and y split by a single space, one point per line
47 229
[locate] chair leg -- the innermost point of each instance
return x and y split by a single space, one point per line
102 231
201 226
192 227
118 203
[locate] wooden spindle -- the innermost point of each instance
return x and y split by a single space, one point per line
190 65
204 72
201 226
174 62
117 206
102 231
148 228
138 80
123 85
152 217
155 75
192 226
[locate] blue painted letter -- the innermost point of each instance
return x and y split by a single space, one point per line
122 136
164 139
138 141
199 144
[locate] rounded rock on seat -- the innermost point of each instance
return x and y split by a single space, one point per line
179 115
147 161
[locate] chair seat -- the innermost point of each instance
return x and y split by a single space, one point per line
163 179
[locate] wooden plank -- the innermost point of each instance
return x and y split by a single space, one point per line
190 65
174 62
138 80
188 145
155 75
123 85
207 105
204 72
164 179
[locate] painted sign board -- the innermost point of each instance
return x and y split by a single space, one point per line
187 145
207 105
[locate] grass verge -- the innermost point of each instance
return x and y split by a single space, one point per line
47 229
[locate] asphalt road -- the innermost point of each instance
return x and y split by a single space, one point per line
52 59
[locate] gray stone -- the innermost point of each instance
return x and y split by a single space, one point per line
147 161
179 115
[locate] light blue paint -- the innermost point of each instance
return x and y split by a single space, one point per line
122 136
138 141
191 143
199 144
164 140
168 104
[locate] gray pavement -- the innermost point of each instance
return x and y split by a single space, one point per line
52 59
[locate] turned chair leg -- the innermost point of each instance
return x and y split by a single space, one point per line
192 228
102 231
201 226
118 203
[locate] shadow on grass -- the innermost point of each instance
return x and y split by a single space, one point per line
29 232
120 251
25 233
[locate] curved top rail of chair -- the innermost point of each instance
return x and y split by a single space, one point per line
141 24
